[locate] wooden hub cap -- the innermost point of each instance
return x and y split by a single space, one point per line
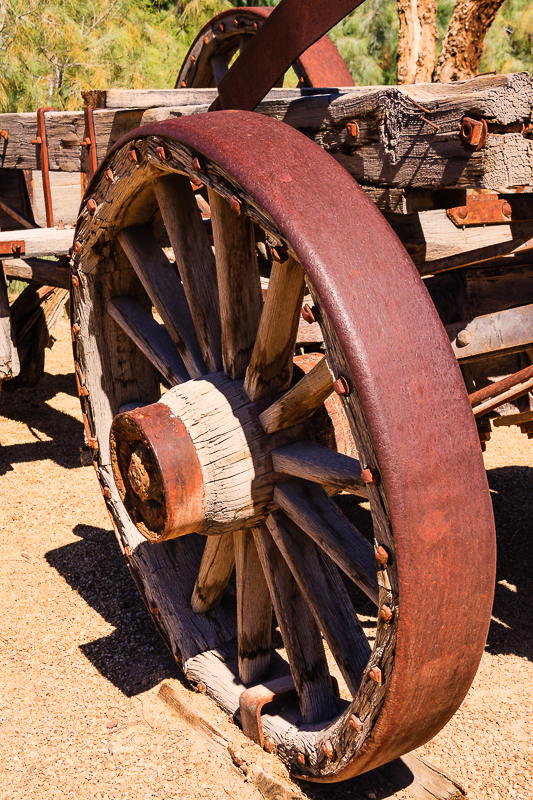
197 460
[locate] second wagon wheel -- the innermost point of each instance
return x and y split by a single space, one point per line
229 465
228 34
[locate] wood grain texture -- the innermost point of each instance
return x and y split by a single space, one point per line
301 401
239 285
150 337
324 591
254 611
40 270
217 564
9 360
316 513
312 462
162 282
195 262
42 241
300 633
270 367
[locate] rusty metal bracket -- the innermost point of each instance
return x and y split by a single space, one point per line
481 209
90 140
13 247
40 141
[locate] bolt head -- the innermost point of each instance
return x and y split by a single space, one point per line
184 84
132 155
206 39
236 205
462 212
352 129
201 687
75 280
106 491
78 248
91 205
307 314
301 759
474 132
506 209
76 329
109 175
222 27
270 745
381 556
463 338
161 153
16 249
355 723
370 476
341 386
375 675
385 614
327 750
193 59
197 165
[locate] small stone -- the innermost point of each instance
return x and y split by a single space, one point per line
111 723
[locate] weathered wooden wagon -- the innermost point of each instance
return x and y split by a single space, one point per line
212 246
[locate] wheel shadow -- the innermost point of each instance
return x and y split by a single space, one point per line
133 657
511 629
63 435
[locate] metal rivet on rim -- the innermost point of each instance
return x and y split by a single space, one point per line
327 750
355 723
109 174
381 556
307 314
352 129
235 204
341 386
375 675
370 476
91 205
132 155
161 153
385 614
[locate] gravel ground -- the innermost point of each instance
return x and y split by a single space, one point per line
81 662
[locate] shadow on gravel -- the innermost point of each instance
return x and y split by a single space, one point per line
133 657
29 406
511 632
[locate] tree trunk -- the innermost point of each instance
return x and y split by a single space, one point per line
417 46
463 43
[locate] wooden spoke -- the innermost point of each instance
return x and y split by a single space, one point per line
300 633
195 262
254 611
330 604
215 571
150 337
161 280
311 509
301 401
270 367
321 465
239 285
219 65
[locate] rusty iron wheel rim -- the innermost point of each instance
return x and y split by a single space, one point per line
315 210
320 66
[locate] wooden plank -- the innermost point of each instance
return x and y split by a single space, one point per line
150 337
254 611
421 780
195 262
324 591
301 401
161 280
312 462
40 270
200 724
316 513
300 633
9 359
239 285
42 241
505 397
513 419
502 331
217 564
270 367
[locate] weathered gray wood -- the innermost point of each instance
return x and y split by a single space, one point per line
421 780
150 337
394 147
67 191
270 367
161 280
217 564
505 397
239 285
254 611
300 633
312 462
324 591
9 360
316 513
195 262
41 241
502 331
301 401
40 270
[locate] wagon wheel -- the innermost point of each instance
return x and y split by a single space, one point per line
229 32
235 453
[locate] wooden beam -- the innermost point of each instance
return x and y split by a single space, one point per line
316 513
9 359
301 401
150 337
270 367
40 270
41 241
217 564
312 462
299 631
254 611
330 604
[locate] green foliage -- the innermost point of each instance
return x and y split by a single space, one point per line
367 39
509 42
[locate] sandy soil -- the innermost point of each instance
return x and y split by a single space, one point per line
81 662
